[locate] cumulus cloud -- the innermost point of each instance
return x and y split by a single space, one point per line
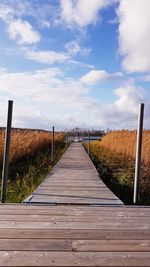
82 12
129 98
23 32
46 97
96 76
18 29
123 112
48 85
134 34
47 92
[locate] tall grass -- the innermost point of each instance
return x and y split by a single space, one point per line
124 142
26 142
30 160
114 158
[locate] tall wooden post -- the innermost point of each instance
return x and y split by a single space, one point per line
136 196
6 152
52 146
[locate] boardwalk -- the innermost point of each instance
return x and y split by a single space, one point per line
74 180
73 219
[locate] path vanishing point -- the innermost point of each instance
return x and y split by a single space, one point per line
73 219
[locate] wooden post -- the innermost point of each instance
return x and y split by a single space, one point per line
6 152
88 142
52 147
136 196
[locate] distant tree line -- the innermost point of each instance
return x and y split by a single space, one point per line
85 132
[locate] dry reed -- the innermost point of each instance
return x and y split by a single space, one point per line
124 142
25 142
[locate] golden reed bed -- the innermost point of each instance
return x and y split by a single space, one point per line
124 142
24 142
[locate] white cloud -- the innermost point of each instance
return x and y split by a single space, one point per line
74 48
134 34
123 112
16 9
46 97
50 56
129 98
46 92
23 32
96 76
18 29
47 57
81 64
5 13
47 86
82 12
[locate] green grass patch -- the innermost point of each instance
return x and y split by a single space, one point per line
26 173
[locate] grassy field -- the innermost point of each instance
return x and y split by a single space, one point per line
30 160
114 158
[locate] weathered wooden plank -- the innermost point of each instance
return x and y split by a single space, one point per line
122 210
89 259
74 169
103 234
74 225
62 235
74 245
72 218
35 244
111 245
107 211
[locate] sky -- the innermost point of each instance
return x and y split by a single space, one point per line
75 63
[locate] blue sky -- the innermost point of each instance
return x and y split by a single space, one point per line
75 63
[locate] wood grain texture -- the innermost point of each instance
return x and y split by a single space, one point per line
110 234
73 171
71 259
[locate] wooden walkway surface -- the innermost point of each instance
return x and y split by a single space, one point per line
99 231
74 180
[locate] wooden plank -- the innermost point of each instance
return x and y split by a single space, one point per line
35 244
73 245
74 169
70 259
62 235
75 225
122 210
92 215
72 218
104 234
111 245
69 210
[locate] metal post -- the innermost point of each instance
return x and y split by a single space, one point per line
88 143
6 152
52 147
138 155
